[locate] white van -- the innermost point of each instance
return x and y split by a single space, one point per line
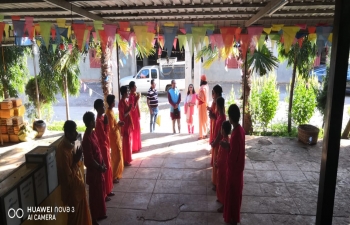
162 75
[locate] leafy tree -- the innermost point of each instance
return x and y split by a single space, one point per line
301 59
13 70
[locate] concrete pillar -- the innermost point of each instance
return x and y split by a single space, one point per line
145 61
115 65
188 67
197 70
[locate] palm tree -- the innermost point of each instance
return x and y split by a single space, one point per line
261 61
68 66
106 71
302 59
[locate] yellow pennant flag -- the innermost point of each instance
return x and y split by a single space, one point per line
330 37
61 22
38 42
267 30
277 27
69 32
140 33
182 40
169 24
1 17
6 29
289 35
313 38
45 29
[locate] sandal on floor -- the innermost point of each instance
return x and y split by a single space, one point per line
116 181
111 194
102 217
107 199
127 164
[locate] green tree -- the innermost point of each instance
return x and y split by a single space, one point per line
261 61
301 59
13 70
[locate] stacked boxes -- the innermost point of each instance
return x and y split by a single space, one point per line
11 119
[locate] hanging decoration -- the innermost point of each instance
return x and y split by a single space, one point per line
61 23
2 27
288 36
228 35
29 27
182 41
1 17
277 27
238 34
98 26
79 31
255 33
210 28
110 31
267 30
245 42
198 34
169 36
45 28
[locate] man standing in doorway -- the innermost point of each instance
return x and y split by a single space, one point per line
174 98
152 102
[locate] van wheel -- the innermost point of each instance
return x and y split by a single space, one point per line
167 88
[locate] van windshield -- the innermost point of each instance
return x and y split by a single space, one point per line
173 72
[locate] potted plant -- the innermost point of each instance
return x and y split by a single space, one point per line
304 104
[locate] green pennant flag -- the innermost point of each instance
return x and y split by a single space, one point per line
54 46
1 17
190 43
261 41
98 26
45 29
198 36
182 40
275 37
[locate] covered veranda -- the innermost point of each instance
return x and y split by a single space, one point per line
240 14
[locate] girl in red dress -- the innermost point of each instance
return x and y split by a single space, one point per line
135 115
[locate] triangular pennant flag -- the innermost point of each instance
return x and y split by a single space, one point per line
6 29
110 30
267 30
175 43
1 17
183 31
288 36
140 32
124 25
302 26
182 41
228 35
255 31
277 27
188 27
15 18
161 41
124 34
2 26
261 41
53 34
98 26
300 41
275 37
190 43
104 39
245 42
198 34
169 24
18 30
151 26
238 34
61 23
219 41
311 30
210 28
330 37
54 46
169 36
206 41
79 31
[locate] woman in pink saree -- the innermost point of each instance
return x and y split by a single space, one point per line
190 102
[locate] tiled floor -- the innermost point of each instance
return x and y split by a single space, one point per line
169 182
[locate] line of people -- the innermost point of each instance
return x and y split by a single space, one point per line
107 147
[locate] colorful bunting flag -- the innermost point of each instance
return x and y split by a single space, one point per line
61 23
210 28
267 30
311 30
2 26
54 46
79 31
289 36
29 27
238 34
175 43
6 29
188 27
277 27
110 31
182 41
169 36
302 26
189 39
228 35
98 26
169 24
15 18
198 34
1 17
124 25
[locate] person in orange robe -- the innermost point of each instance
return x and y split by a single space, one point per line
115 141
202 108
216 92
221 117
124 115
102 133
135 115
235 167
95 169
221 165
73 193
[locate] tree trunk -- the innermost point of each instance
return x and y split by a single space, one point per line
106 72
65 85
346 132
246 87
5 89
291 96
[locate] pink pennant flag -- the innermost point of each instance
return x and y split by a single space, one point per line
124 34
15 18
301 25
159 51
255 31
212 41
110 31
151 26
218 40
238 34
94 36
183 31
245 42
295 41
175 42
29 27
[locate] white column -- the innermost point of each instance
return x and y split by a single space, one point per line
115 64
197 71
188 67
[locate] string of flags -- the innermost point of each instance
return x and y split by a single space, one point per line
91 91
190 37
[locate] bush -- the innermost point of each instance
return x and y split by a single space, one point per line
304 100
264 100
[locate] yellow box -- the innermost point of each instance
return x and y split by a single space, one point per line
14 138
5 138
19 111
3 129
16 102
6 113
6 122
6 104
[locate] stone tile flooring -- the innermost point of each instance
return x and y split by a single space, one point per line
169 182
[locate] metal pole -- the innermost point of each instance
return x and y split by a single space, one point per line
334 112
118 71
36 82
244 84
